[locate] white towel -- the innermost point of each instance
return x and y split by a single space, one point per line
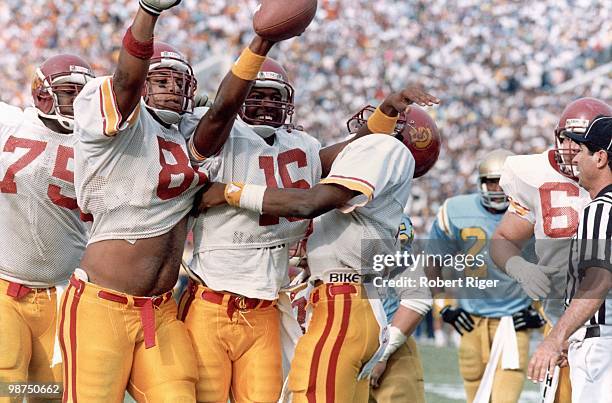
505 346
57 352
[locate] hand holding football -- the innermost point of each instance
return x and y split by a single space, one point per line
277 20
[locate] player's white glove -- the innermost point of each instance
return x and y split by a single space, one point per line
532 277
155 7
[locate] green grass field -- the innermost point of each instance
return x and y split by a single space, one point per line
443 384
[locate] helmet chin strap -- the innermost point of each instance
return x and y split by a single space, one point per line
166 116
264 131
66 123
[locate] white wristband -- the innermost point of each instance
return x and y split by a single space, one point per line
420 305
252 198
396 339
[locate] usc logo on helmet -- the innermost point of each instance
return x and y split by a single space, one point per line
421 137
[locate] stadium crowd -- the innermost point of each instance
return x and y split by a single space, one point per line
497 65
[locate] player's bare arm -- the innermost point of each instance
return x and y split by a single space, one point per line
390 108
303 203
592 291
216 124
509 238
131 71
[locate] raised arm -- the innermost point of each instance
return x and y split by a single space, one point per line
383 120
216 124
136 51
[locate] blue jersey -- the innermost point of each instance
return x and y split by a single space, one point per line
464 226
406 236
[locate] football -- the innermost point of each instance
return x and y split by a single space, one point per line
278 20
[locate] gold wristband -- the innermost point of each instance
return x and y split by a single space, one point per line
381 123
248 64
233 192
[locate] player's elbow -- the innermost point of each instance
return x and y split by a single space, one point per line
311 205
306 208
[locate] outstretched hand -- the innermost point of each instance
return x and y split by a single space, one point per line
400 101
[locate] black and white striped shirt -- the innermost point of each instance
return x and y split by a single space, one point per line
592 247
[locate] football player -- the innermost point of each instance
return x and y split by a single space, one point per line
133 173
399 373
545 201
43 235
361 198
239 348
464 226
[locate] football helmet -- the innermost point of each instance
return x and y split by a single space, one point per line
168 65
416 129
575 118
58 75
265 114
489 171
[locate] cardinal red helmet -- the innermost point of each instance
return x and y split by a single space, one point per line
63 74
170 74
575 118
256 111
416 129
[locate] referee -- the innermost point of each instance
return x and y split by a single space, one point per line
587 321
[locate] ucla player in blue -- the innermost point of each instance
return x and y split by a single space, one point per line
500 314
399 374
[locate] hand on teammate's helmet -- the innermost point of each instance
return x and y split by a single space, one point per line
155 7
458 318
528 318
532 277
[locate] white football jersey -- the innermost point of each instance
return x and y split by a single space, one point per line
239 250
552 202
133 175
380 168
43 236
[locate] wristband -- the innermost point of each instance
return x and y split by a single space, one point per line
248 64
140 50
249 197
418 305
381 123
194 151
396 339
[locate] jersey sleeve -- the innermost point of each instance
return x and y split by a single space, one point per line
96 114
369 166
10 117
315 161
441 235
517 191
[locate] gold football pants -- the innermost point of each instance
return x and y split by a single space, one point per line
403 377
474 351
27 335
341 337
113 341
237 345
